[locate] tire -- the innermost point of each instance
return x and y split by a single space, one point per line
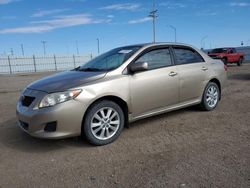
224 60
211 89
239 63
103 123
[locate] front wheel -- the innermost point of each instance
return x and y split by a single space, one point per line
224 60
210 97
104 122
239 63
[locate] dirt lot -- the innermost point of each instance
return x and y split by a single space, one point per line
185 148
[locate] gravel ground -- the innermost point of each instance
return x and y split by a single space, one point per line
185 148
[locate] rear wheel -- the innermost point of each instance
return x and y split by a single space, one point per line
239 63
104 122
211 97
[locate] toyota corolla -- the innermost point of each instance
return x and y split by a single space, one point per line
98 99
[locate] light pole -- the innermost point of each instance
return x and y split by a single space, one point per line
175 32
98 45
12 52
44 47
77 49
153 15
22 49
202 41
248 41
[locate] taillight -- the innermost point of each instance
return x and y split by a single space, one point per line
225 67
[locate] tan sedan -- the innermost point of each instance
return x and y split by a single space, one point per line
129 83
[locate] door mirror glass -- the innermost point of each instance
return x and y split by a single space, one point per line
138 67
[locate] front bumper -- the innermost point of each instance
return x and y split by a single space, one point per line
67 116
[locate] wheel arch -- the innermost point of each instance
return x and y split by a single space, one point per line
115 99
216 81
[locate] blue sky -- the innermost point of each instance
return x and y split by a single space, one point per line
64 24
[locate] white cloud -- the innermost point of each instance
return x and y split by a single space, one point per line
110 16
42 13
27 29
3 2
172 5
207 13
122 6
142 20
239 4
57 22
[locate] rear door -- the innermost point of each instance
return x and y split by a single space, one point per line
192 71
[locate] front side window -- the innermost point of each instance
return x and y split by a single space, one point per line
187 56
234 50
156 58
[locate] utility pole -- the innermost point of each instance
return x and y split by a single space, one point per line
153 15
22 49
77 49
98 45
175 32
44 47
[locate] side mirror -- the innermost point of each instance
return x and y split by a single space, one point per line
138 67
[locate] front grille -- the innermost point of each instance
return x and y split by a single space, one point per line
24 125
26 100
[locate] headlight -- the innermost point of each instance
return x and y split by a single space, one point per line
56 98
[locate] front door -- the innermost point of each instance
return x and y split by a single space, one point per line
158 86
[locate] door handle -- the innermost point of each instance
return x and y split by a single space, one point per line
204 68
172 73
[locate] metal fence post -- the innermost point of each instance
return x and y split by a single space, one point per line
74 61
34 62
55 62
9 65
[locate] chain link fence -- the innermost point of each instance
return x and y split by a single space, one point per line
13 65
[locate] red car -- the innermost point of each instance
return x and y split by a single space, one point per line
227 55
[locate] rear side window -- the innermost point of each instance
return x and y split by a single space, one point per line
156 58
187 56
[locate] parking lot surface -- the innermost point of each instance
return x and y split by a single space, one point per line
184 148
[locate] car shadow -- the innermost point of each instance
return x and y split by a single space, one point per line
13 137
155 118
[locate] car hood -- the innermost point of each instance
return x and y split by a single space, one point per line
65 80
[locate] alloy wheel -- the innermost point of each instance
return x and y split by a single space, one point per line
212 96
105 123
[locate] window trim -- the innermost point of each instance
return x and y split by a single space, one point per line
149 49
187 48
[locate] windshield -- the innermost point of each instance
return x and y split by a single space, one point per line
219 50
109 60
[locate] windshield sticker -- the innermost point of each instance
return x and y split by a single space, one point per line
124 51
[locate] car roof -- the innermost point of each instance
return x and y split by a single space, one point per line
159 44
